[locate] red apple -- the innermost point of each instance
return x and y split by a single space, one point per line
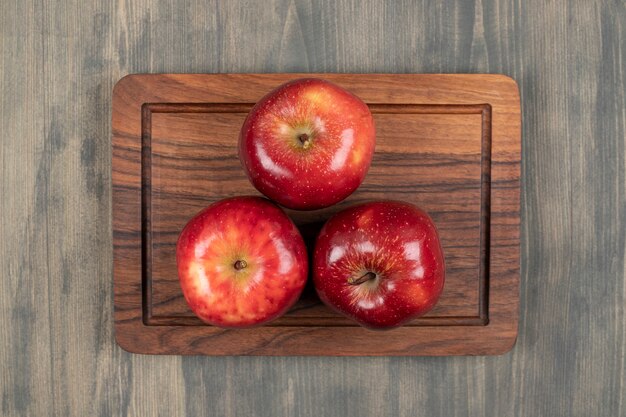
241 262
307 144
379 263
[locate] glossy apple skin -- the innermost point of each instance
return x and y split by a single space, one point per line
336 156
248 229
396 241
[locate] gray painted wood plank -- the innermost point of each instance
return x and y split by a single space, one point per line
59 62
25 366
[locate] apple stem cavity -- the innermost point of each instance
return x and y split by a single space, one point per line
305 140
368 276
240 264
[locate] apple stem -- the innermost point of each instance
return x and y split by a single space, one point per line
240 264
368 276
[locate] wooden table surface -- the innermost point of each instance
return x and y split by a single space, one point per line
59 61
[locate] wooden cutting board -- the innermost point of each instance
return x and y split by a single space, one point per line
448 143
